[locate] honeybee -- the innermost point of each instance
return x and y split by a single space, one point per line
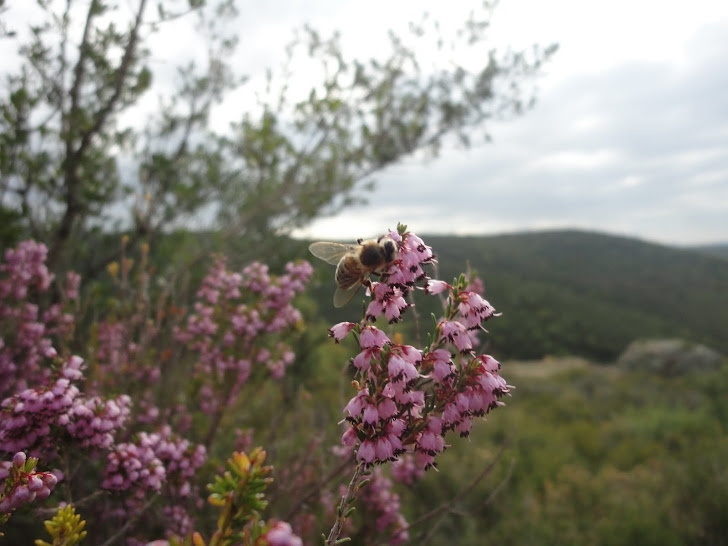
354 263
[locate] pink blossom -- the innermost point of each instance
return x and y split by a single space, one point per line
455 333
434 286
366 452
384 503
349 438
490 364
431 442
370 415
339 331
420 395
356 404
400 369
386 409
383 450
281 534
474 309
404 470
362 361
372 337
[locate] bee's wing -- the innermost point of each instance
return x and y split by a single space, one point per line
330 252
342 296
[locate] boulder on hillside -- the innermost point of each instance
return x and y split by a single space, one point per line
669 357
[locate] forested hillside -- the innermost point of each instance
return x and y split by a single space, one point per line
582 293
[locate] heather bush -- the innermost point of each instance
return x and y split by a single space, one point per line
134 400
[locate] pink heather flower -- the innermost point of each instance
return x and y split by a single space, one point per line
371 415
21 487
281 534
410 354
412 254
464 427
396 443
462 402
366 453
349 438
357 404
451 414
19 459
477 402
424 460
132 466
431 443
474 309
341 330
362 361
380 500
34 483
396 427
489 363
404 470
73 281
411 400
434 286
386 409
455 333
493 383
434 424
424 252
372 337
383 450
442 370
400 369
475 284
386 299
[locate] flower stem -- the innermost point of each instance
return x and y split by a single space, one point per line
343 510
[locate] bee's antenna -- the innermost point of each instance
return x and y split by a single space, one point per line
360 241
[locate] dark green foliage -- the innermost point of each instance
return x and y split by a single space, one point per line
592 456
573 292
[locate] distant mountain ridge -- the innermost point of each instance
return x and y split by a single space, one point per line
572 292
716 249
590 294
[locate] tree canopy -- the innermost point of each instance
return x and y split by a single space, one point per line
72 164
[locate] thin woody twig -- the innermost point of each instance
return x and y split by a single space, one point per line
342 511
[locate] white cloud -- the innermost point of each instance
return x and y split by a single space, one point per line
629 134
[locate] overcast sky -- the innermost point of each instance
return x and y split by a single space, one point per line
629 136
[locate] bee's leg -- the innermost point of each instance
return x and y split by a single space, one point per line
366 281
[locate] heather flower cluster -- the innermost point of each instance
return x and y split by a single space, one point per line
21 484
389 295
135 467
29 417
408 399
383 503
26 332
159 462
234 325
155 460
238 327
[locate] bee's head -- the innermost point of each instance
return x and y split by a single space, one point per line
390 249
